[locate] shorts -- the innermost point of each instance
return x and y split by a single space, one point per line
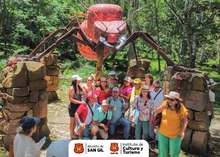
72 109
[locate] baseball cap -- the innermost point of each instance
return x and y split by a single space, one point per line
103 79
115 89
105 102
145 88
112 73
137 80
211 82
76 77
91 95
127 79
28 122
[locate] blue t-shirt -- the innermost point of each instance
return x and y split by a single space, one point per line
99 115
117 113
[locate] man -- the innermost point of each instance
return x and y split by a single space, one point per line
117 106
84 115
157 95
211 85
101 120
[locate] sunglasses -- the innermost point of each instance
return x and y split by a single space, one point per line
115 91
156 87
112 75
89 80
171 99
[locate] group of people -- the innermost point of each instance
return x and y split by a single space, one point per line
98 110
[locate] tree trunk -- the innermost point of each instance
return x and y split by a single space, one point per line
158 38
202 55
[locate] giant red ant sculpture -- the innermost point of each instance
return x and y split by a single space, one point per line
102 32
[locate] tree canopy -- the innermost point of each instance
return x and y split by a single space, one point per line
187 30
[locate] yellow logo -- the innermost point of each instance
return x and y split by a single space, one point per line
78 148
114 147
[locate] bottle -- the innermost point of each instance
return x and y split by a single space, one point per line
41 142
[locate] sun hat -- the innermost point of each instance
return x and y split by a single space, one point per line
91 95
76 77
112 73
145 88
137 80
28 122
103 79
173 95
115 89
127 79
105 103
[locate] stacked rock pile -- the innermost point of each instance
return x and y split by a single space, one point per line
23 92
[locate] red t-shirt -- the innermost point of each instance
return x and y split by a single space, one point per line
82 111
102 95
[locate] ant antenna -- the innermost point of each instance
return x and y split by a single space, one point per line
131 16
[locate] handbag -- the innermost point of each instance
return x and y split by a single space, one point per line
136 114
157 119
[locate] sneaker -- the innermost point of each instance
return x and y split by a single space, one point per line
156 144
94 138
149 140
86 138
119 131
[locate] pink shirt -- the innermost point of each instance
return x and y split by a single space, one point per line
125 90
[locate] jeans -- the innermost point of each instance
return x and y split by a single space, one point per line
86 131
151 132
126 123
141 125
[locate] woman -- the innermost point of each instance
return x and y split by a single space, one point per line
102 92
125 90
173 125
149 80
145 105
112 81
75 97
136 90
89 87
24 145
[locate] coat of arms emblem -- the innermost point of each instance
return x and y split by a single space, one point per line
114 147
78 148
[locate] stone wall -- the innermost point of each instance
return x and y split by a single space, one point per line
52 75
193 89
138 69
23 92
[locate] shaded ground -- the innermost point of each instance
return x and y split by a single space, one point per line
58 122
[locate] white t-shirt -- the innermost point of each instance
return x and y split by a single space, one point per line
159 99
211 99
89 116
25 146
